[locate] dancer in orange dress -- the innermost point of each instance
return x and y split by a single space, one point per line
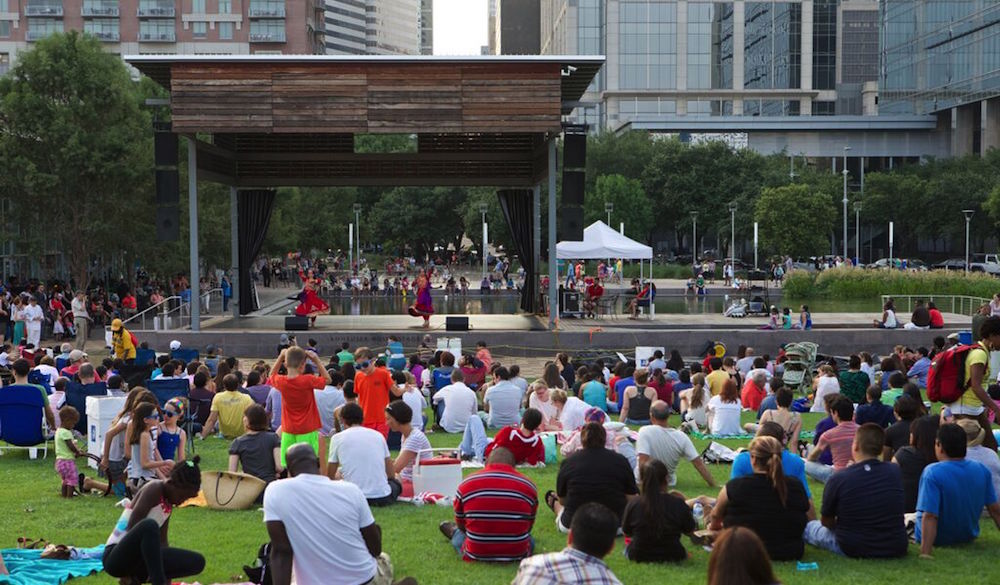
424 307
310 303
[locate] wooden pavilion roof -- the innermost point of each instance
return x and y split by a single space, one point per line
284 120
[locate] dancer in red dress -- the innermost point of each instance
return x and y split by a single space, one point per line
424 307
310 303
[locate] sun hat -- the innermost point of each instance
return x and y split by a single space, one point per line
974 433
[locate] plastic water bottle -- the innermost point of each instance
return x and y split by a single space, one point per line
699 514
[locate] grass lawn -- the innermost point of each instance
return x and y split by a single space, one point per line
30 506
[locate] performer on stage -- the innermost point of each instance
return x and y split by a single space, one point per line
424 307
310 304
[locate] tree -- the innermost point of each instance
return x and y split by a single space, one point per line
631 205
418 218
794 220
77 148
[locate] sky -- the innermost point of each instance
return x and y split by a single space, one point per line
459 26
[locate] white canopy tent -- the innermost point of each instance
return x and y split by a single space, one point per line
602 241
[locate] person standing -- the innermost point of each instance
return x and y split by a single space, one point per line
121 342
81 319
300 421
33 318
975 402
375 388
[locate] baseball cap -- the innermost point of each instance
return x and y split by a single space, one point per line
116 325
175 345
76 355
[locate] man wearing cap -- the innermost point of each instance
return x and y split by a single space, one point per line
974 451
76 358
81 319
121 342
175 345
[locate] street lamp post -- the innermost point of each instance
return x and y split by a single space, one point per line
857 231
968 219
483 208
694 237
846 149
609 206
357 231
732 238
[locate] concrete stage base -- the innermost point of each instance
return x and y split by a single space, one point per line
527 336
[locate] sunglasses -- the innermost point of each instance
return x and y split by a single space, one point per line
153 417
363 365
169 414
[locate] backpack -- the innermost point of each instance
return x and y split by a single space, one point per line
135 340
946 377
440 378
260 571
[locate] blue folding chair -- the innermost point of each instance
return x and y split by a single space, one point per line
76 396
185 355
22 418
36 377
61 363
144 357
165 390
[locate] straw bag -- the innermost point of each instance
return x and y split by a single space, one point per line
228 490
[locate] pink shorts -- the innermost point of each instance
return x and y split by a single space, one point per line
66 468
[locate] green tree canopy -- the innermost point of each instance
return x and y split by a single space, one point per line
631 205
794 220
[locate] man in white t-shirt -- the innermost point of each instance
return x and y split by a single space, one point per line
33 318
745 364
360 455
503 400
456 402
322 529
328 400
572 410
658 440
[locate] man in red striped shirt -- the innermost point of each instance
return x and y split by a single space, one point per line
494 513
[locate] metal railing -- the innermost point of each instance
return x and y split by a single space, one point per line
173 313
161 36
156 11
957 304
266 12
106 36
270 37
99 10
43 10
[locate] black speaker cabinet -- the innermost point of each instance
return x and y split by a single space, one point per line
575 151
167 187
571 223
572 187
165 149
168 223
456 323
296 323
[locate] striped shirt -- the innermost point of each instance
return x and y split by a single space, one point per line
496 509
839 440
561 568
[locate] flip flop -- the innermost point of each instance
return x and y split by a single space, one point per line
550 500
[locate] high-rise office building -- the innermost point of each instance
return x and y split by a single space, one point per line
944 58
377 27
166 26
718 58
426 27
514 27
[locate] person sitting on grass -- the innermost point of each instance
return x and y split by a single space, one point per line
300 421
571 410
656 520
67 452
897 435
724 410
897 380
114 461
137 550
837 440
592 474
975 451
521 440
694 404
739 556
591 538
494 513
455 404
770 503
361 456
145 463
258 450
171 440
659 441
790 422
791 464
952 495
321 530
637 400
874 411
228 406
414 443
862 513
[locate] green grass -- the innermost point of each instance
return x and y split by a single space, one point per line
30 506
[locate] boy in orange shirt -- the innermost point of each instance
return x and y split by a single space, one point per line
375 388
300 421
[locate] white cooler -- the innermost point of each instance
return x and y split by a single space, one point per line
439 475
101 410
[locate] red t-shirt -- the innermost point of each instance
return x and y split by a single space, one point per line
528 450
496 509
664 391
752 395
937 319
299 415
373 392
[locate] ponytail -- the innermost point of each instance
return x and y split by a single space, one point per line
767 451
653 476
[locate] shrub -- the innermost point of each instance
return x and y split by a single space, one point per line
851 283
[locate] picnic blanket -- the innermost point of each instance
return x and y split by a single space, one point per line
803 436
26 567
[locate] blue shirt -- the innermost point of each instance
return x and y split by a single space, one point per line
867 500
769 403
878 413
885 379
792 465
919 371
595 394
620 387
955 492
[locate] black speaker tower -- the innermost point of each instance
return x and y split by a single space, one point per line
168 195
573 183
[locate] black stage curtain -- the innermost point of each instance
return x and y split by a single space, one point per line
516 205
253 211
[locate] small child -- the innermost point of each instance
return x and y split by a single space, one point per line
67 452
300 421
258 450
172 440
786 318
411 396
145 463
349 398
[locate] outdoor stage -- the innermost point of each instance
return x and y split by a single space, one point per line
528 336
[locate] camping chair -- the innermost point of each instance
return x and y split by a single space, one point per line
76 396
165 390
144 357
22 419
185 355
135 375
606 305
61 363
650 304
36 377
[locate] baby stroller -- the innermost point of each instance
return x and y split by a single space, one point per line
737 309
799 364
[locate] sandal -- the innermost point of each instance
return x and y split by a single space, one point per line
550 500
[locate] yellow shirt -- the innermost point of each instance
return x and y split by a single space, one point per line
230 405
716 380
969 403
